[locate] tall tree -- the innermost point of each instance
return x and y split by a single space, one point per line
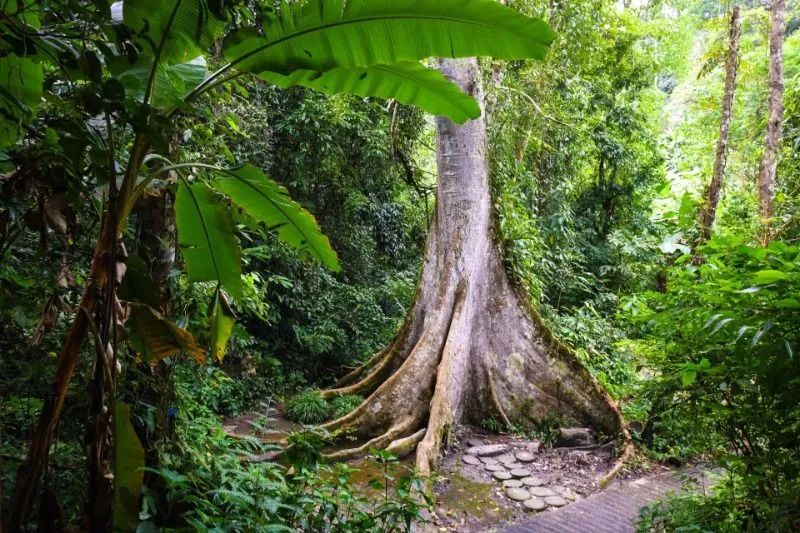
708 211
769 162
471 348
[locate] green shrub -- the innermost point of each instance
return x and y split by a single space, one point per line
308 407
343 405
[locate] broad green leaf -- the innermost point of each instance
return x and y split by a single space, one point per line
155 338
20 94
183 29
765 277
688 377
222 321
407 82
137 285
206 237
269 202
128 470
321 35
172 82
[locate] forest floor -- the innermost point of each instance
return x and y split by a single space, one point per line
487 482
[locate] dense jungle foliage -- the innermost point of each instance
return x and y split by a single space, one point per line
272 228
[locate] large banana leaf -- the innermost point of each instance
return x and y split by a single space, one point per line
269 202
178 30
154 337
408 82
206 237
20 93
321 35
222 322
172 81
128 470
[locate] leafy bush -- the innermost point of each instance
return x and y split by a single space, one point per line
343 405
308 407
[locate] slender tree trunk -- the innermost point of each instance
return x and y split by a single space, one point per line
708 211
769 162
471 347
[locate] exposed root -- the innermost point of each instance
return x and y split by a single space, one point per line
628 453
352 376
493 393
380 442
370 382
403 447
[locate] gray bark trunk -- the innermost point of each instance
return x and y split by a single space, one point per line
471 347
769 162
709 210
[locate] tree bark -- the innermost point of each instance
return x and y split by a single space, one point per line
708 211
769 162
471 347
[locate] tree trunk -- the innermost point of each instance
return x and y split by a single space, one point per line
769 162
471 347
708 211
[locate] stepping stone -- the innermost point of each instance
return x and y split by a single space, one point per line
525 457
520 472
512 466
470 460
532 481
502 475
475 441
494 468
566 493
489 460
555 501
488 450
512 484
535 504
542 492
506 458
518 495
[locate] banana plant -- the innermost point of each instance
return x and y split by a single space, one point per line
156 55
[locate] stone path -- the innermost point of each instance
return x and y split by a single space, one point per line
614 510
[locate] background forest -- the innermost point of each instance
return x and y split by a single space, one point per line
601 158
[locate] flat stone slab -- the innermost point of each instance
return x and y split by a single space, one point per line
494 468
518 495
488 450
489 460
512 466
532 481
525 457
542 492
475 441
512 484
521 472
470 460
535 504
501 475
566 493
555 501
506 458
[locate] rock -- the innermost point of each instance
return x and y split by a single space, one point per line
533 446
487 450
470 460
569 437
532 481
494 468
501 475
512 466
535 504
475 442
512 484
555 501
506 458
489 460
520 472
542 492
566 493
518 495
525 457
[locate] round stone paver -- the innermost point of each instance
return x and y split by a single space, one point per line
470 460
489 460
555 501
512 466
512 484
542 492
566 493
535 504
502 475
506 458
475 441
525 457
520 472
494 468
516 494
533 481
